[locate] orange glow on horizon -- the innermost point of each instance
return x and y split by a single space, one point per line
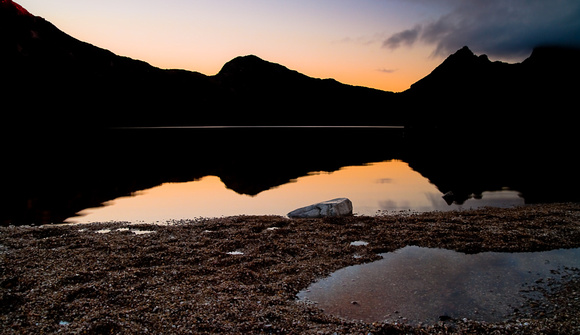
397 72
340 41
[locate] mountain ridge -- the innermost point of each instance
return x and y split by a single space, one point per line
114 90
477 95
70 75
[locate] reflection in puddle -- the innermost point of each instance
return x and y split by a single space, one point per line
373 188
417 284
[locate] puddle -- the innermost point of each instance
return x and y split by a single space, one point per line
421 285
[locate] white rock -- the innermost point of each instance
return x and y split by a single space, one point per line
359 243
334 207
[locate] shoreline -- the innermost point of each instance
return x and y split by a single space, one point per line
241 274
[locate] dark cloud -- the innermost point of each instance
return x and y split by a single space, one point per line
405 37
496 27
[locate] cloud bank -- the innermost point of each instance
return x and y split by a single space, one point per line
502 28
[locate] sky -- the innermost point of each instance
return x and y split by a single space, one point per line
383 44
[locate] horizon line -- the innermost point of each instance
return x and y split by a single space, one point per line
260 127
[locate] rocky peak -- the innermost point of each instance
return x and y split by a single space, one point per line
464 57
464 52
458 69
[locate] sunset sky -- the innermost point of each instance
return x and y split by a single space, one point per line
384 44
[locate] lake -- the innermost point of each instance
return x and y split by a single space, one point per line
172 173
374 188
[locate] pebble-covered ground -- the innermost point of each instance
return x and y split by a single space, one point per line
241 275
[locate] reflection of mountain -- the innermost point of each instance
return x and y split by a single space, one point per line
542 172
61 179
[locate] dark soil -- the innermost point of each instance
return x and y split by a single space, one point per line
241 274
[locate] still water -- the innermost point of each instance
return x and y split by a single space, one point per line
381 187
423 285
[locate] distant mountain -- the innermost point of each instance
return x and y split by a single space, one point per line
60 80
272 89
473 93
65 81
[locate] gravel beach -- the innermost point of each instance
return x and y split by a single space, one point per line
241 274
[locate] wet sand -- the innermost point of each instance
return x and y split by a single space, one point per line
241 274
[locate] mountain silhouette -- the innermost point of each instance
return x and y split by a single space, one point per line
470 125
67 82
469 93
274 94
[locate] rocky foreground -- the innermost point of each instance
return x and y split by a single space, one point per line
241 274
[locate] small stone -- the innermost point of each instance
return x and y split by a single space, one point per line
359 243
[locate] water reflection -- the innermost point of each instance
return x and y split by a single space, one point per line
102 166
417 284
373 188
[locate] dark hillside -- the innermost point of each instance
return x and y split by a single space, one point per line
64 82
267 93
469 93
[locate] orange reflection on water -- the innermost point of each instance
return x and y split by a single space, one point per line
389 185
